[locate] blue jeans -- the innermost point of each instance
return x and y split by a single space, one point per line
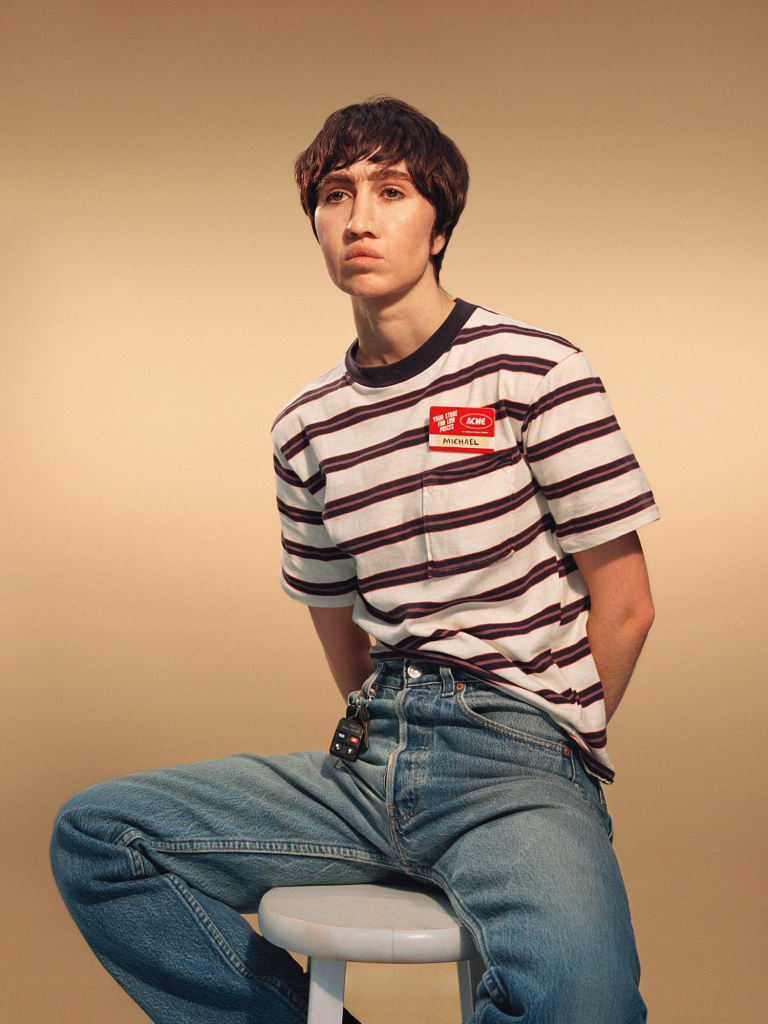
463 788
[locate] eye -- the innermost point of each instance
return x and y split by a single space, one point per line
329 196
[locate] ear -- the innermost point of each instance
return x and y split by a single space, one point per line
438 242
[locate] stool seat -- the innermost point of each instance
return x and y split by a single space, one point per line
369 923
372 923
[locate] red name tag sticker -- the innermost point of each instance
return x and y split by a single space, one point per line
462 429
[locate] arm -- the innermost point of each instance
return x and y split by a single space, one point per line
346 646
621 610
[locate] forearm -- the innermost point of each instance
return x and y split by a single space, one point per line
351 668
346 647
616 644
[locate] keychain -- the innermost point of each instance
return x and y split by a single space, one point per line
350 739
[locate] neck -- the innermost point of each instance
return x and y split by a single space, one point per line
390 328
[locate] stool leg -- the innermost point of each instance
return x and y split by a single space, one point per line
470 972
326 990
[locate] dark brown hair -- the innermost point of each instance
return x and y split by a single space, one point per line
395 131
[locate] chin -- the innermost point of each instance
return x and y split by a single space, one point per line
364 286
374 286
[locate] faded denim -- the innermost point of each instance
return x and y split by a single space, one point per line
463 788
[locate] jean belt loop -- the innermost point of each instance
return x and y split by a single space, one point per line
449 686
365 693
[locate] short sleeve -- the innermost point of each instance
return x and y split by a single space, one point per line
582 460
313 570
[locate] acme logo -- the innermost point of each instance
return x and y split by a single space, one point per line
475 420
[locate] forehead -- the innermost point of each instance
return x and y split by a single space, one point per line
366 170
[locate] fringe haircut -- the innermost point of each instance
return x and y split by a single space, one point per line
388 130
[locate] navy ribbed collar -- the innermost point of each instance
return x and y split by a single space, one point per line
418 360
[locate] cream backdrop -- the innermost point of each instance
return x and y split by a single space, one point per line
163 297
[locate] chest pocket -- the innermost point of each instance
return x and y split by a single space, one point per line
468 508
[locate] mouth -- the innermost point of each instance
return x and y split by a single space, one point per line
362 259
361 252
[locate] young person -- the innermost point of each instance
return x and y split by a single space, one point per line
457 486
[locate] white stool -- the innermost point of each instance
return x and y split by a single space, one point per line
375 923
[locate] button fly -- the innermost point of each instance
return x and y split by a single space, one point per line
414 672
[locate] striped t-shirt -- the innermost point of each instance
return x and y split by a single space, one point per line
453 556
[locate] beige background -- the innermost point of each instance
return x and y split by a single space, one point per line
163 297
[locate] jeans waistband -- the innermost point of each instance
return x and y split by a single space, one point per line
400 673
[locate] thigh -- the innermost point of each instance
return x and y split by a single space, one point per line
538 884
236 826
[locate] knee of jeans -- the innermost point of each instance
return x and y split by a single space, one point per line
588 988
86 821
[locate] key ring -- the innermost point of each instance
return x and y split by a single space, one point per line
360 704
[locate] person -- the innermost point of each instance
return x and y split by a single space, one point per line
458 489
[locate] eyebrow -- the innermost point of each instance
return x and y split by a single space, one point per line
340 177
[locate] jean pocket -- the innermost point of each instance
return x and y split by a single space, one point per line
509 717
468 509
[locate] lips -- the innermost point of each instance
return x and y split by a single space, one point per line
360 250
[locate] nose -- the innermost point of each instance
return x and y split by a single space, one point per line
362 219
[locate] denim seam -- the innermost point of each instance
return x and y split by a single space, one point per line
208 926
250 846
224 948
397 846
479 936
210 929
287 993
421 778
599 809
400 819
137 861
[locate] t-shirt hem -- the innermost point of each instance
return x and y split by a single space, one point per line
601 535
318 601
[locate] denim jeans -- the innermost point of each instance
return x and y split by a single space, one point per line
463 788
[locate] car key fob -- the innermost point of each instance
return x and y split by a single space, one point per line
350 739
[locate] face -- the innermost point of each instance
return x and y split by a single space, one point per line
379 209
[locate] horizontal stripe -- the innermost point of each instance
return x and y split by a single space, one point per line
464 377
464 559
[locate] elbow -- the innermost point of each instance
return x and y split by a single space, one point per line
643 617
632 617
